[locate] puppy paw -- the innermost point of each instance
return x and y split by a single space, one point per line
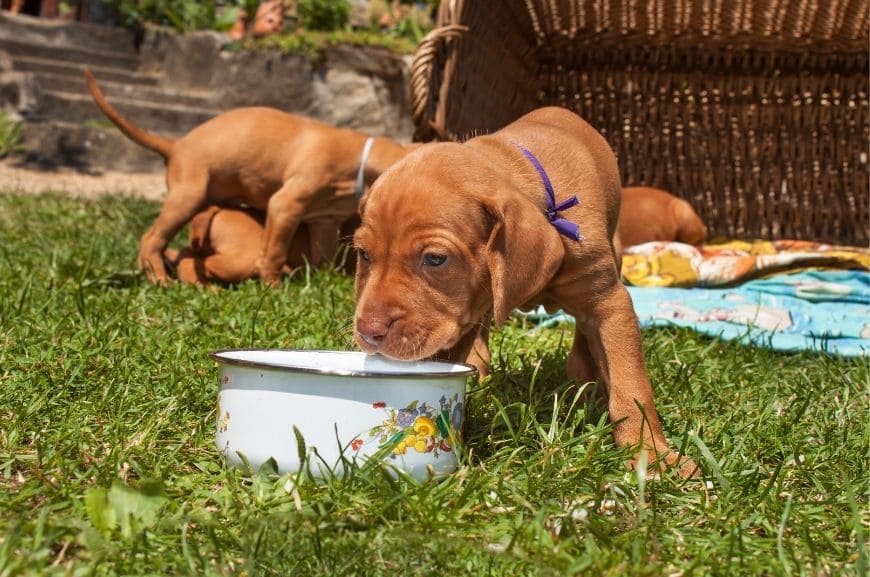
659 463
685 467
272 279
154 269
268 273
159 279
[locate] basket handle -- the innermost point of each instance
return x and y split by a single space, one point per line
421 76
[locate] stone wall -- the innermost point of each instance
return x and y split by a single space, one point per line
365 88
168 83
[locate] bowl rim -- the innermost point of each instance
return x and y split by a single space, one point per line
215 355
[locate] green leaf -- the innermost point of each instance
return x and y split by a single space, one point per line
394 440
99 513
300 446
443 422
713 464
269 467
136 508
226 20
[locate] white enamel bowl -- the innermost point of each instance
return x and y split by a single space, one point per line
347 406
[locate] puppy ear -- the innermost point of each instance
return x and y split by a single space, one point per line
523 252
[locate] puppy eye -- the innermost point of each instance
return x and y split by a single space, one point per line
363 254
432 259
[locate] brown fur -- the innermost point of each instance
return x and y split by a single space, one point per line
481 206
293 168
651 214
224 244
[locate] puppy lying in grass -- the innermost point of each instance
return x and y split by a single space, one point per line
651 214
224 244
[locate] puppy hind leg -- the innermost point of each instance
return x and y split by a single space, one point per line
185 265
173 256
227 268
230 267
189 269
183 202
580 364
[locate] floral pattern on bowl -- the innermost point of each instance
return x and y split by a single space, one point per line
417 427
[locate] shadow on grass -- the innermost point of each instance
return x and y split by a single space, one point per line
528 393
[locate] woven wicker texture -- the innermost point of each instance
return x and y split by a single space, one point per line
754 111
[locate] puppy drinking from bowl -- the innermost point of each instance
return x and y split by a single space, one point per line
455 233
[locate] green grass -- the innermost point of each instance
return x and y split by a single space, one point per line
108 467
10 135
314 43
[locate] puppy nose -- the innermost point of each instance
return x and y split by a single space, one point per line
372 330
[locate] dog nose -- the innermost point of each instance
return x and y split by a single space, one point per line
372 331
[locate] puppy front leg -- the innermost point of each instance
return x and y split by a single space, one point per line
479 356
283 215
472 348
618 352
322 241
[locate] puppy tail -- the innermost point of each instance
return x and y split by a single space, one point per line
159 144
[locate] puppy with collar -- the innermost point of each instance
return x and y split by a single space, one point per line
293 168
455 234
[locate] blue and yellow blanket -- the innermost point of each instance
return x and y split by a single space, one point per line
826 310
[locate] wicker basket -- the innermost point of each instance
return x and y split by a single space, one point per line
754 111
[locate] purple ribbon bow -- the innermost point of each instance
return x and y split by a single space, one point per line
565 227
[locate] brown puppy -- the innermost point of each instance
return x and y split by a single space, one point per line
295 169
454 232
224 244
650 214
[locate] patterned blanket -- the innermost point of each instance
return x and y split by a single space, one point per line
682 265
807 309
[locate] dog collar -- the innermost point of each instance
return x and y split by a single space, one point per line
565 227
361 173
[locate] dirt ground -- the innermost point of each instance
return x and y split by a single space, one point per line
14 178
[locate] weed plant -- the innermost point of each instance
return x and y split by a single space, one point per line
11 138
